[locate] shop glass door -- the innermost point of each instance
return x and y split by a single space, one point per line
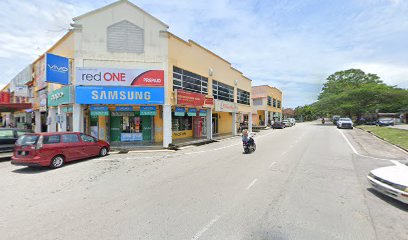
115 128
146 127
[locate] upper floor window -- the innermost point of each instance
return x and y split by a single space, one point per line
223 91
279 104
189 81
243 97
269 101
274 102
125 37
257 101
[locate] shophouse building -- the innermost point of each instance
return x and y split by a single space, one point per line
119 75
266 105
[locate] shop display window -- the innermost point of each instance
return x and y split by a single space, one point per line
181 123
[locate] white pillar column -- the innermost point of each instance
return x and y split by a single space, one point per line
78 118
167 139
37 118
234 123
266 118
209 124
51 120
62 127
250 122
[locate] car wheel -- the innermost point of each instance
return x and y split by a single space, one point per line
103 152
57 162
254 147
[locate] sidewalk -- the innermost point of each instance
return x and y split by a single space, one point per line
401 126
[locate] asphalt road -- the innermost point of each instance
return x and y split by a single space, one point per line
304 182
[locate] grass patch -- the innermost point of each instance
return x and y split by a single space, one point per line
392 135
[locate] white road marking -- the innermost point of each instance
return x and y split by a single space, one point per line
252 183
394 161
272 164
205 228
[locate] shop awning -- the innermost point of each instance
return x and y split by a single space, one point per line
13 107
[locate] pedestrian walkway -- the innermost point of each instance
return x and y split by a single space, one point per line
401 126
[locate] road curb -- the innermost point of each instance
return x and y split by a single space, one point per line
385 140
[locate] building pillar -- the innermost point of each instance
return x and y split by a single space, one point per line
167 134
234 123
266 118
250 122
51 120
77 118
280 117
209 124
37 118
62 125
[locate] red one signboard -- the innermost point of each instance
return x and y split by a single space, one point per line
4 97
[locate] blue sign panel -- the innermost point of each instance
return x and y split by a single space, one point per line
99 108
124 109
180 111
147 110
118 95
192 112
203 113
57 69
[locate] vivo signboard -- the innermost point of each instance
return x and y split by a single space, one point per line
119 77
56 69
118 95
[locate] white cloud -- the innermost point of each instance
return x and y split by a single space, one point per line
284 43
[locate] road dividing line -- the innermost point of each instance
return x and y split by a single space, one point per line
252 183
205 228
393 161
348 142
270 166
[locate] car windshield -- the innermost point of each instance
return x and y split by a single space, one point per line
27 140
345 119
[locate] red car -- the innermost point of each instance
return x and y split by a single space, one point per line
54 149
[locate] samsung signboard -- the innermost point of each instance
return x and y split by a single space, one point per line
56 69
119 95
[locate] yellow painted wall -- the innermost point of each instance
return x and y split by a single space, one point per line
224 122
192 57
264 91
158 126
182 134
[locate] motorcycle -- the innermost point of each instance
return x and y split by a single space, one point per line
249 146
323 121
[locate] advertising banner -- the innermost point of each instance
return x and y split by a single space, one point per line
203 113
131 137
4 97
124 109
147 111
119 77
99 111
60 96
17 84
180 111
56 69
189 98
224 106
192 112
42 96
119 95
39 74
208 102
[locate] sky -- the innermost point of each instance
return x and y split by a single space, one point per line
289 44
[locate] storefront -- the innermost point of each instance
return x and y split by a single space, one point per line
189 116
130 112
223 116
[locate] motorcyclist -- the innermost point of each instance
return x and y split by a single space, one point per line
246 138
323 120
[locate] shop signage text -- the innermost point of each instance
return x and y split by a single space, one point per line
119 77
224 106
57 69
179 111
189 98
60 96
192 112
118 95
99 111
124 108
4 97
203 113
208 102
147 111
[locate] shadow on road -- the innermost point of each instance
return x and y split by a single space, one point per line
31 170
389 200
